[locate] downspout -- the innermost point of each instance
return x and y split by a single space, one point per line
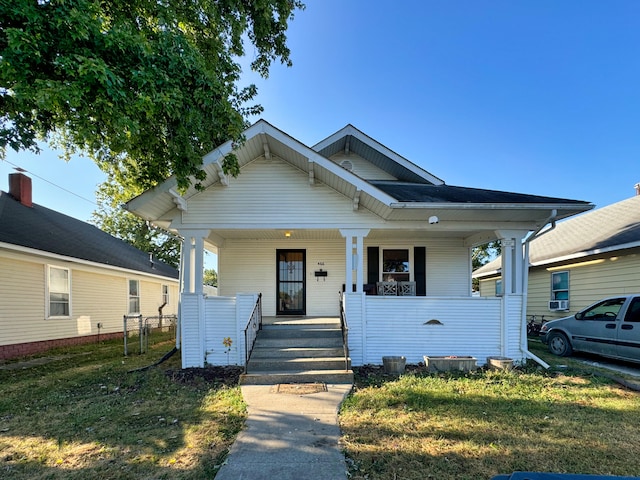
525 287
180 287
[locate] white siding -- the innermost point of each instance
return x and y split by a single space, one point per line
220 322
363 168
191 334
273 192
448 269
398 326
250 266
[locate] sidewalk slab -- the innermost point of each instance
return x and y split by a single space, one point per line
288 436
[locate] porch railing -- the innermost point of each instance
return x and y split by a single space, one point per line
251 330
345 331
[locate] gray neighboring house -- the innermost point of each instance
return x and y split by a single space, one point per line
585 258
64 281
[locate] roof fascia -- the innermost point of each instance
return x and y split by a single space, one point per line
492 206
588 253
64 258
353 131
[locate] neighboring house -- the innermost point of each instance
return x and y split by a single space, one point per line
299 223
63 281
579 262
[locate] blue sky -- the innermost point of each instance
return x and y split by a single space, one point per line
536 97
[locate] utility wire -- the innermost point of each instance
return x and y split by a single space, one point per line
20 169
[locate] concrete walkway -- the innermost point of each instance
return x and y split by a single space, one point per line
291 433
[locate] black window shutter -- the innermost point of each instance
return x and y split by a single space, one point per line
373 262
420 270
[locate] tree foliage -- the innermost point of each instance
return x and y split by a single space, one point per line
133 230
210 277
483 254
144 87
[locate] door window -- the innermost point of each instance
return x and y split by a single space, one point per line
291 282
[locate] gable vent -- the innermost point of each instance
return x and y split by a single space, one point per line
347 165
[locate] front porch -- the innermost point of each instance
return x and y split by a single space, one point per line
377 326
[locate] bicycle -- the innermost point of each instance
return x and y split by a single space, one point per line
533 326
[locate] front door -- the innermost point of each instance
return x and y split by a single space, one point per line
291 282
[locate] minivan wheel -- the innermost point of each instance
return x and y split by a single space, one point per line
559 344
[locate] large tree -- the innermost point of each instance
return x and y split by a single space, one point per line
111 218
144 87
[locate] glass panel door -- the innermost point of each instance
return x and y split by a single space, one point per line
291 282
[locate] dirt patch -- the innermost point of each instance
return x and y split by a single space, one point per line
225 375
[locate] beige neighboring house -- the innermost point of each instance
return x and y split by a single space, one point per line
64 281
584 259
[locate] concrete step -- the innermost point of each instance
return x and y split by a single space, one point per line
298 342
262 351
308 376
295 364
303 332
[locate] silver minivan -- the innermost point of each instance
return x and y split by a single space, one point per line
610 327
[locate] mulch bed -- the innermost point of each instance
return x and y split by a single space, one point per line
225 375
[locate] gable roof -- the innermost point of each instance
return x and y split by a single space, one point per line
43 230
350 139
414 196
610 228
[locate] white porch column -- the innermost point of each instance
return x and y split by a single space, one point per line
354 257
193 258
513 261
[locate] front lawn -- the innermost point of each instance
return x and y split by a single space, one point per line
84 415
481 424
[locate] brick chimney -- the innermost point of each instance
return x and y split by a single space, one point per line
20 188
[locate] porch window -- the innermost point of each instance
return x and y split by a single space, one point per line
560 286
59 288
396 265
134 296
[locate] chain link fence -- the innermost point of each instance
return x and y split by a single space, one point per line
141 332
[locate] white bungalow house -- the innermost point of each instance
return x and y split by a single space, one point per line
299 223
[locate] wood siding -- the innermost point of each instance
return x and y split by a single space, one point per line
97 296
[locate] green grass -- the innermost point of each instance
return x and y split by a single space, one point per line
477 425
85 416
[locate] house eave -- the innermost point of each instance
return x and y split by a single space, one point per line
63 258
584 254
492 206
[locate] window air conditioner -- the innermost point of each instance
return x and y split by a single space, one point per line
559 305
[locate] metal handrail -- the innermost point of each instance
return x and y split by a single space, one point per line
251 330
345 331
